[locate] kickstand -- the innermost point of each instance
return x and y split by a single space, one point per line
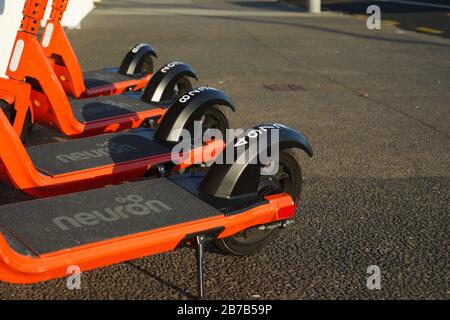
199 246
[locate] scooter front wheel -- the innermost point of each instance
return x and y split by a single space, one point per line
182 86
145 65
288 179
214 118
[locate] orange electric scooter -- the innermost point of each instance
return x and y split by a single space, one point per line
133 75
233 205
86 163
33 92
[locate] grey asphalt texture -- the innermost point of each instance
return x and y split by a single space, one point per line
375 106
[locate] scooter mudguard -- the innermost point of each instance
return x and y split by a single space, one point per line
188 109
134 57
164 79
249 163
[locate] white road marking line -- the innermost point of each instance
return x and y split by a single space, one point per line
429 30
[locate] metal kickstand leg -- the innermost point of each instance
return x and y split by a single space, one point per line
199 246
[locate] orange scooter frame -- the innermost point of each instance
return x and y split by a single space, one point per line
67 68
21 269
17 167
49 103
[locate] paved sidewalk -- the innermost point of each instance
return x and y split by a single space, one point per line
374 104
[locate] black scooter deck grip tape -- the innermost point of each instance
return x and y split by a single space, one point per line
101 108
102 77
52 224
82 154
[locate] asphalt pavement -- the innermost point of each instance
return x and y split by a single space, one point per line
375 106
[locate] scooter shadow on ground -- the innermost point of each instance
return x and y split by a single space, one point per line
169 284
209 248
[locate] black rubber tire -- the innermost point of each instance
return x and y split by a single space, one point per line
8 110
27 126
238 244
215 118
145 65
10 113
182 86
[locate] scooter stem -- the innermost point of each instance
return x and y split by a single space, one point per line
33 13
58 9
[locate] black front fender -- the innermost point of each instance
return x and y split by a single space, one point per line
187 109
131 62
242 176
162 81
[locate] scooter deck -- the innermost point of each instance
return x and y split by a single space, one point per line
100 108
82 154
105 77
48 225
41 239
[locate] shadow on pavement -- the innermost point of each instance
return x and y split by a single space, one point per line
264 5
329 30
418 18
166 283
